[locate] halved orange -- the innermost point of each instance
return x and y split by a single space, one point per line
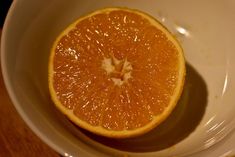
116 72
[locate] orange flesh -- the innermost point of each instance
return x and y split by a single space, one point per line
82 85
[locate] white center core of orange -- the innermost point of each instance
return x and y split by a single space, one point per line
118 70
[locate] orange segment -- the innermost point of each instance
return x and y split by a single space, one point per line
116 72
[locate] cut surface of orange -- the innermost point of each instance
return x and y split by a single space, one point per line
116 72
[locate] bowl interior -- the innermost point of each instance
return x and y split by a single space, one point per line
199 120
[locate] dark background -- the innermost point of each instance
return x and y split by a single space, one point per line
4 4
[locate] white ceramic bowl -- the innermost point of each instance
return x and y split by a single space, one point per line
204 115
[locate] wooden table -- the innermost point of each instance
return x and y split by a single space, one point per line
16 138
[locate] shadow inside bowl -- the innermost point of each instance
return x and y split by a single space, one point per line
179 125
